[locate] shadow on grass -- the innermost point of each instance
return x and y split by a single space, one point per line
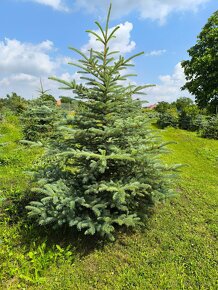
82 245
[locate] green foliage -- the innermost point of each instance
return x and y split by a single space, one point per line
200 122
210 128
162 107
66 100
20 264
28 265
182 114
182 103
188 116
44 97
39 120
169 118
177 250
14 103
15 158
201 70
10 133
105 169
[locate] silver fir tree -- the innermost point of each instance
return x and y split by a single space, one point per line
105 168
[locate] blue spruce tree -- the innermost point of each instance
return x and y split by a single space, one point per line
104 169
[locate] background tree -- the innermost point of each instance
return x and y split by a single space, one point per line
40 118
169 117
182 103
188 116
182 113
210 128
201 70
44 96
14 103
162 107
66 100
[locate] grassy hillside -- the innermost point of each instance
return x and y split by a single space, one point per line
177 250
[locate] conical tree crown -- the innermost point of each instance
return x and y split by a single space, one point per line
104 170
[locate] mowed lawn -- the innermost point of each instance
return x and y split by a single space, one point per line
176 250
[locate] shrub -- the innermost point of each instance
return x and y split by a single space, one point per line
200 122
187 118
14 103
168 118
210 128
162 107
104 170
182 103
39 120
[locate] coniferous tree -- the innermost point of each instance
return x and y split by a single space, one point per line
40 119
44 97
104 169
14 103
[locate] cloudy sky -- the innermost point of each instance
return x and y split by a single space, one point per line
35 36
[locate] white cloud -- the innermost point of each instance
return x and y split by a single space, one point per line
147 9
169 87
17 57
121 43
23 84
27 86
23 64
155 52
151 9
55 4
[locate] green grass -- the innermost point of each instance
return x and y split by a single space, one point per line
177 250
14 158
25 256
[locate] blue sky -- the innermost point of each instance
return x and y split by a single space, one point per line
35 35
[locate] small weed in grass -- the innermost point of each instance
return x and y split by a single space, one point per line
27 265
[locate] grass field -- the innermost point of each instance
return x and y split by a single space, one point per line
177 250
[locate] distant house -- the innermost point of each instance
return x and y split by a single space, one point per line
151 107
58 103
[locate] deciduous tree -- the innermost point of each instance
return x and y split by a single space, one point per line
201 70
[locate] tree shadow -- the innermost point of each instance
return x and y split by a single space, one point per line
32 234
